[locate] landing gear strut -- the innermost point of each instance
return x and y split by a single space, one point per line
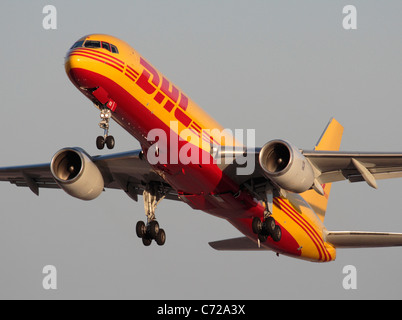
268 226
151 230
105 115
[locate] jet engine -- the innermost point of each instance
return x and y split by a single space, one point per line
76 174
286 166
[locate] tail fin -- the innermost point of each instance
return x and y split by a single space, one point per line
330 140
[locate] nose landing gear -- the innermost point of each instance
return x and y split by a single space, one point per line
107 140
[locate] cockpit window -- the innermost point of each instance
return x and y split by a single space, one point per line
106 46
114 49
92 44
78 44
96 45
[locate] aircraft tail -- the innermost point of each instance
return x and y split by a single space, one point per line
330 140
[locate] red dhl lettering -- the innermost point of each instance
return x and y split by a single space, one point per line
149 81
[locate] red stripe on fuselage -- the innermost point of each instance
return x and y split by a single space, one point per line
90 56
100 55
314 232
97 51
131 75
132 70
306 226
104 57
300 224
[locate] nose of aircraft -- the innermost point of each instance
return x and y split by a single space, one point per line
70 61
73 64
77 67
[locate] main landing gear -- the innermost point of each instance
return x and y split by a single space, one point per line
268 226
107 140
151 230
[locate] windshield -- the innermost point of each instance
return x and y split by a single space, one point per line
92 44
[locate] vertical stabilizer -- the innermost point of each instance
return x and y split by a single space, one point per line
330 140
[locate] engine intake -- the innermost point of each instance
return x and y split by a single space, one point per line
76 174
286 166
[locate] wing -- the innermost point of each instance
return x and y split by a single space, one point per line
126 171
329 166
355 167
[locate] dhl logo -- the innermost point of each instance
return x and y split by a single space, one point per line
174 100
167 90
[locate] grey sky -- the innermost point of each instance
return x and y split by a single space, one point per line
280 67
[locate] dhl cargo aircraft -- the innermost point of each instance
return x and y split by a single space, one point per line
280 205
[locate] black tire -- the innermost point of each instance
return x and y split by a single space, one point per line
154 229
256 225
146 241
100 142
110 142
277 234
161 237
141 229
262 237
270 225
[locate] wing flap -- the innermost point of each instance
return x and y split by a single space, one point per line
361 239
355 167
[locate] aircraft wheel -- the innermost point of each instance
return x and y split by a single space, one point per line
161 237
110 142
100 142
257 225
141 229
277 234
146 241
262 237
270 225
154 229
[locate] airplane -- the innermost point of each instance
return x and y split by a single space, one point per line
187 156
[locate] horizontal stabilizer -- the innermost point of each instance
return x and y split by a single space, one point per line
359 239
236 244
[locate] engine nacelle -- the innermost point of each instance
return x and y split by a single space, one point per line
286 166
76 174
